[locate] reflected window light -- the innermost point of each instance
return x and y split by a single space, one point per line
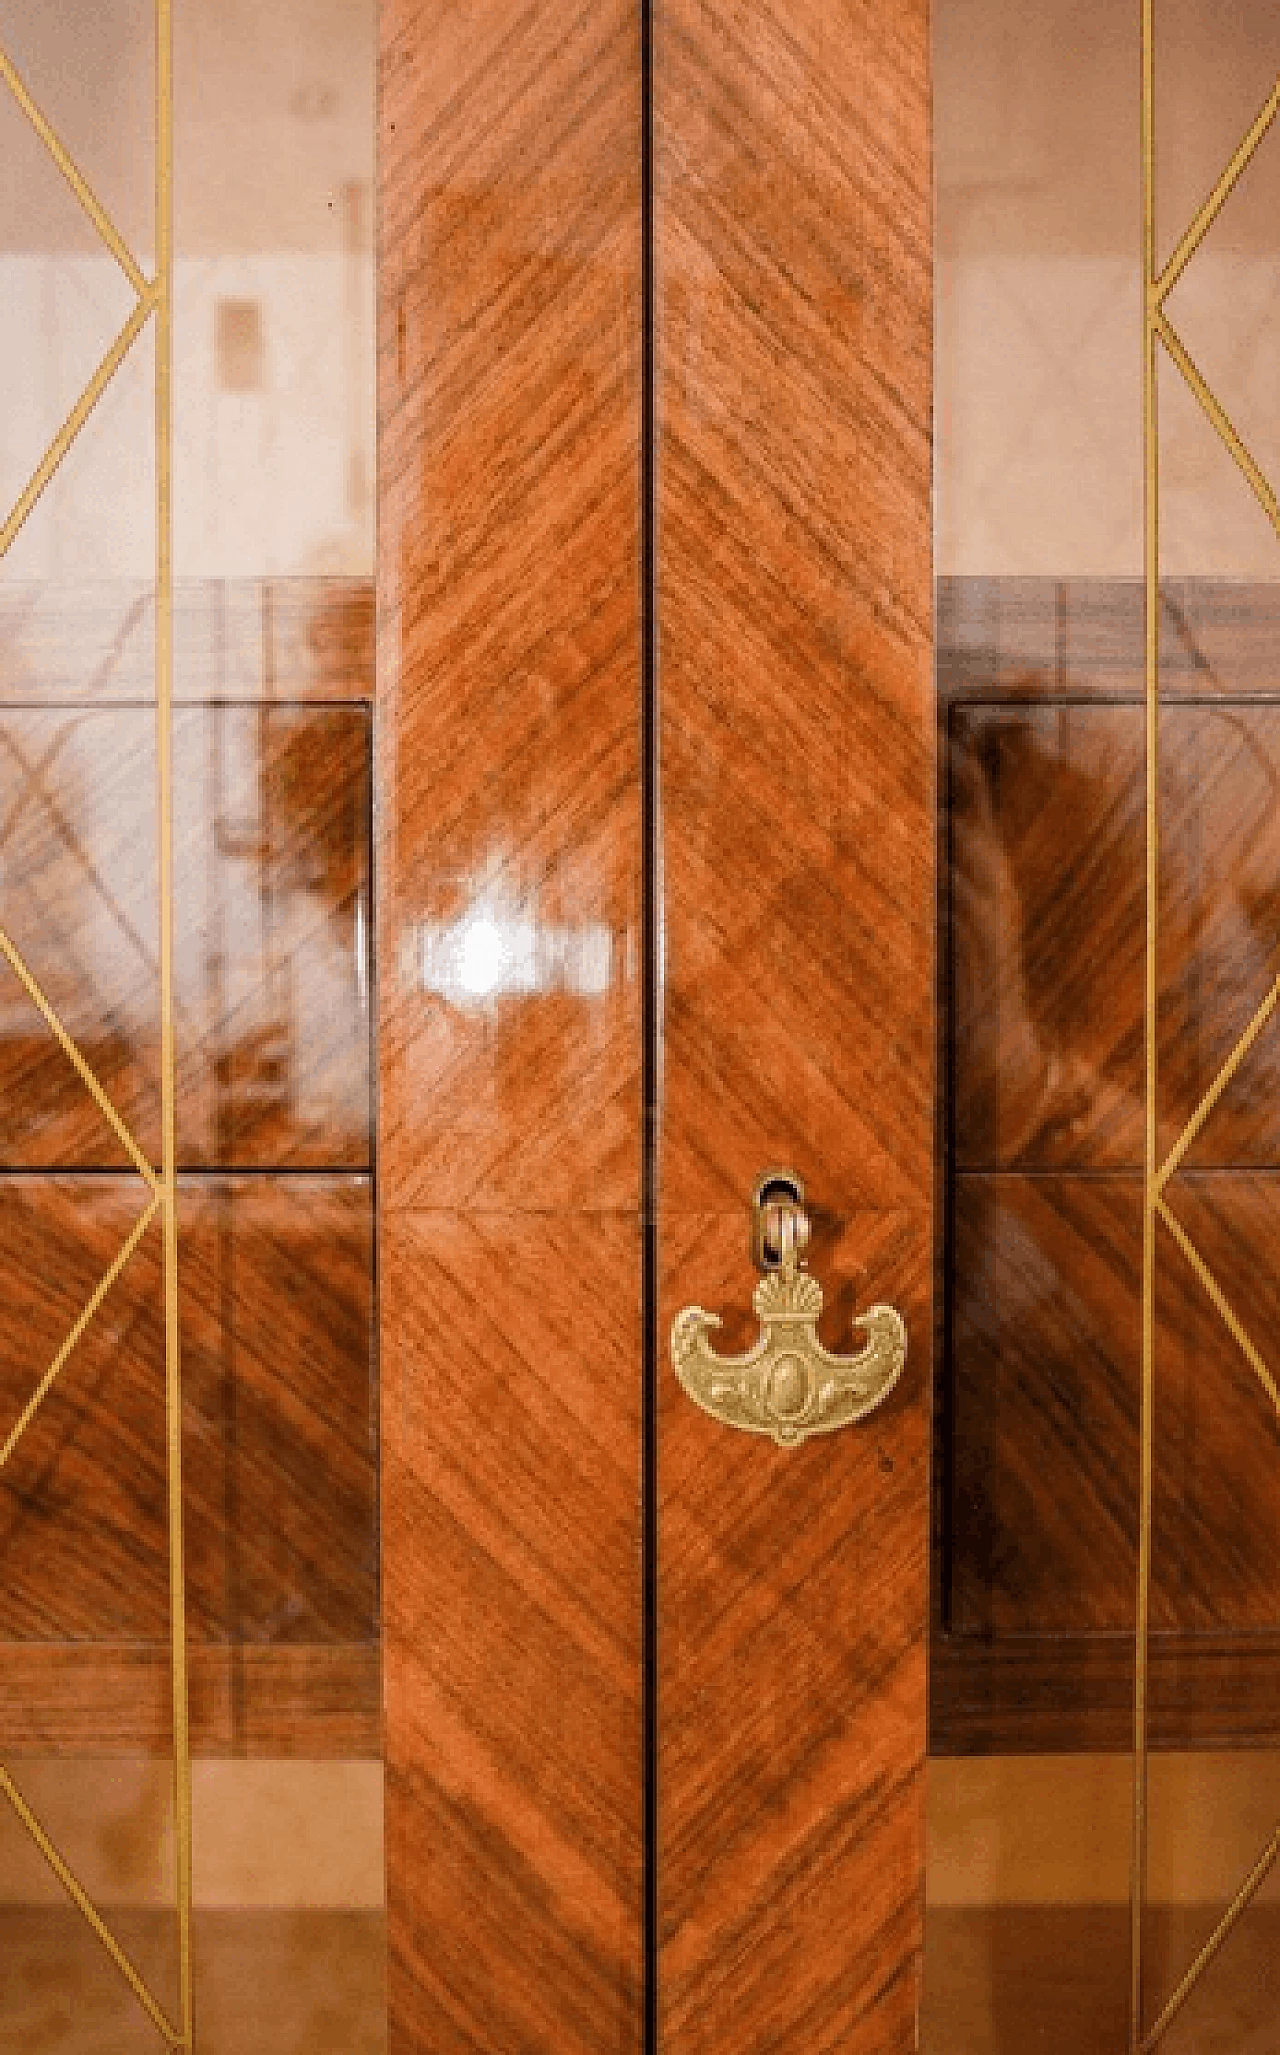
489 953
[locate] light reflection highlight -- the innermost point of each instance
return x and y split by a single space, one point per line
492 952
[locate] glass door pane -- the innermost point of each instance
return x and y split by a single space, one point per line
1104 1802
186 668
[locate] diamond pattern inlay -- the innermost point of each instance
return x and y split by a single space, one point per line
151 297
1160 1175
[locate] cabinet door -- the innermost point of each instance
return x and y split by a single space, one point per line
794 694
657 913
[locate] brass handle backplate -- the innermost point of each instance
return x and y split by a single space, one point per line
787 1384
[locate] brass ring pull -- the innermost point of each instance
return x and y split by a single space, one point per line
787 1384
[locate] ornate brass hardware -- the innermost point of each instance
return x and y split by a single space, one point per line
787 1384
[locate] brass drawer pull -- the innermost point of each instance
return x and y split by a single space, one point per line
787 1384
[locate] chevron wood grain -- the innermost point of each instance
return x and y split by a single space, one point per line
509 1139
793 267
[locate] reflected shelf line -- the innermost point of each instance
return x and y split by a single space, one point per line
194 1173
88 1910
1219 1085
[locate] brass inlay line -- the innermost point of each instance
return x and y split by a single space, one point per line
1247 1892
1219 1085
1217 199
76 419
76 179
1219 1299
1219 419
84 1904
1151 698
76 1059
37 786
54 1371
168 1065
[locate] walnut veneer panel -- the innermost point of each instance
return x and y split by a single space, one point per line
1042 1405
1041 683
272 854
1216 1513
509 854
510 1437
280 1474
1039 1464
794 594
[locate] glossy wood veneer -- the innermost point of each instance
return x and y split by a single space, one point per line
792 1678
1041 683
794 597
1043 1409
510 1437
510 454
509 1139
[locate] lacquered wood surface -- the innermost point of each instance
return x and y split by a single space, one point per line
794 595
509 1135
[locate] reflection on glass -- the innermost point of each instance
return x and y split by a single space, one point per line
1042 679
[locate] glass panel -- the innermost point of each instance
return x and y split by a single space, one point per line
1050 687
273 537
88 1921
270 609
